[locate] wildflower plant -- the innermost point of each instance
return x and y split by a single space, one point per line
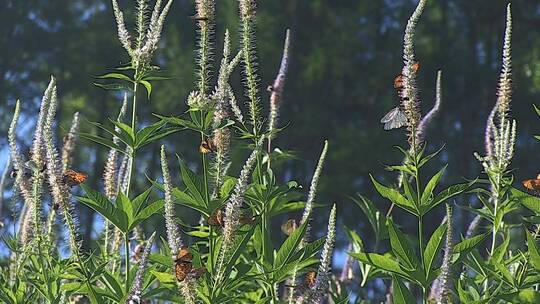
229 254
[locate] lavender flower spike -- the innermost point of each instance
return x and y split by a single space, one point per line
135 293
426 120
314 183
276 88
173 235
317 294
69 142
409 93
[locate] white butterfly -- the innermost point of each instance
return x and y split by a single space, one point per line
394 119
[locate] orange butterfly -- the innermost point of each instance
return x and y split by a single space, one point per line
290 226
311 279
533 184
216 219
398 81
74 178
183 264
207 146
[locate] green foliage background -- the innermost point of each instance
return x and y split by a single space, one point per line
345 54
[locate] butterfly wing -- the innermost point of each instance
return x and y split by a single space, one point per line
182 269
394 119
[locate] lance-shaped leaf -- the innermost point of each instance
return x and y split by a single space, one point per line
394 196
433 247
401 247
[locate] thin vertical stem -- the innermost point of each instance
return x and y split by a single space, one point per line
126 258
133 128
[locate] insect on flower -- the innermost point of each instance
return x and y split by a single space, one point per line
137 253
396 119
183 264
216 219
310 280
207 146
74 178
533 185
290 226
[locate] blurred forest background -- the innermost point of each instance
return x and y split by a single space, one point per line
345 55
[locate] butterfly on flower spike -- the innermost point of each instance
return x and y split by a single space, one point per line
309 282
184 266
533 184
207 146
74 178
396 119
216 219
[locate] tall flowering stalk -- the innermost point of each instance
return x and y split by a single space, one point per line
276 90
317 293
205 11
69 142
442 286
60 191
428 118
111 180
67 154
149 33
247 25
140 52
307 213
500 134
173 234
135 292
22 184
222 96
410 101
232 211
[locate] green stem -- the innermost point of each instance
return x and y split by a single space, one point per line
126 240
133 128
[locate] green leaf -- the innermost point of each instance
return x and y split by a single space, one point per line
139 201
382 262
148 86
287 249
124 203
373 215
125 132
445 195
103 206
534 256
394 196
193 182
401 295
147 212
433 247
524 296
187 200
528 201
433 182
115 76
181 122
146 133
401 247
